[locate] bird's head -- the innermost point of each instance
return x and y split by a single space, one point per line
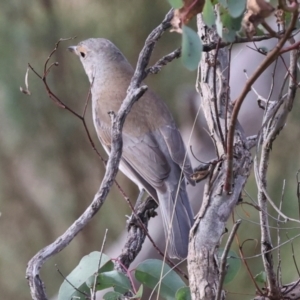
97 55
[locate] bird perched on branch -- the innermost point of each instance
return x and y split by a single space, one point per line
154 156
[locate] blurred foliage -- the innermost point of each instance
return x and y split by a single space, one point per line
48 170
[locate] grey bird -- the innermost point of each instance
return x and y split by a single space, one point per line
154 156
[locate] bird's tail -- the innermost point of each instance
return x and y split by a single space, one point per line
177 218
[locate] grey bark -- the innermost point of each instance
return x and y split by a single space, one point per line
217 204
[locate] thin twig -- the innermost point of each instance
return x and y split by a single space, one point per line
293 255
262 188
271 56
227 96
223 259
164 61
292 287
279 277
244 260
215 98
70 283
93 296
238 40
298 192
274 248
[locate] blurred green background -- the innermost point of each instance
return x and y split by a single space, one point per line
49 171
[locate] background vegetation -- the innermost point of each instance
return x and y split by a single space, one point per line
48 170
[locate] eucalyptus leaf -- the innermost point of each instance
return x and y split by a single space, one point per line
208 13
191 48
261 277
234 265
114 279
183 293
224 3
152 271
112 296
227 26
86 268
236 8
139 293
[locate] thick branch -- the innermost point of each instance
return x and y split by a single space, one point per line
217 205
35 264
136 233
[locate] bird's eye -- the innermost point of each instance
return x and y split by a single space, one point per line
82 54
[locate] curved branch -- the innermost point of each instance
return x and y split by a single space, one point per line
271 56
135 91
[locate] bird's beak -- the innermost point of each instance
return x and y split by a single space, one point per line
73 49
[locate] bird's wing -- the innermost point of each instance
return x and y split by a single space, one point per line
104 135
177 149
144 155
141 156
146 158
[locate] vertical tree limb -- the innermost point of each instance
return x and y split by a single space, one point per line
217 204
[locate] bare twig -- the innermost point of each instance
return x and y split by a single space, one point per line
70 283
215 97
270 131
291 288
223 259
262 188
271 56
244 260
164 61
279 277
238 40
227 96
26 90
293 255
93 296
298 192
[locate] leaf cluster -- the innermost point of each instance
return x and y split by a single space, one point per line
95 272
227 17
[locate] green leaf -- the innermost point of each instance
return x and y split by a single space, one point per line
236 8
183 294
114 279
227 26
261 277
112 296
234 265
224 3
87 267
139 293
208 13
176 3
150 274
191 48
